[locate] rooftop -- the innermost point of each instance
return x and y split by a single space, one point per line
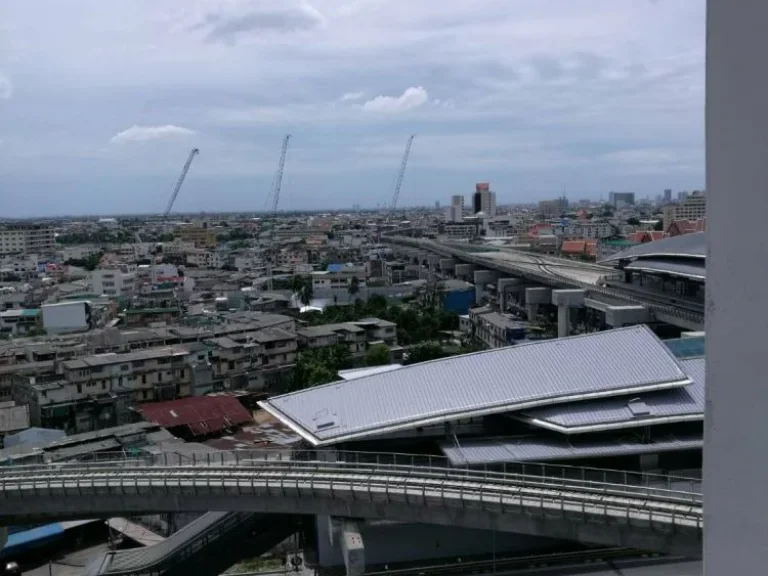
685 246
201 414
534 449
612 363
663 407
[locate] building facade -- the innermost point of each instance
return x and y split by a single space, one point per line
27 239
692 207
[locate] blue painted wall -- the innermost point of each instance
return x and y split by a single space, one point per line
459 301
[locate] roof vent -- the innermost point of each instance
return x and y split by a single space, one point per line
324 420
638 407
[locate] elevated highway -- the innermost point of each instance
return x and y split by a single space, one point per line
664 519
559 273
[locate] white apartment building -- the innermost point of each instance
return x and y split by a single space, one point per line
27 239
113 282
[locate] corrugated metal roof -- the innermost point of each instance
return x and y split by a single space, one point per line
662 407
354 373
688 246
202 414
690 268
615 362
501 450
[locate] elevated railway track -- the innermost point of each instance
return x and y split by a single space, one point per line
616 514
547 272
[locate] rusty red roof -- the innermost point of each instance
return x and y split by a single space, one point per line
203 415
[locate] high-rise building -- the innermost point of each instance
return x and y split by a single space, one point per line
484 200
621 199
27 239
667 195
682 196
455 212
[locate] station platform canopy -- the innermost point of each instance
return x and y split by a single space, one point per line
622 362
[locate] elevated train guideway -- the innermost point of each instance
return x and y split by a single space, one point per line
610 513
560 273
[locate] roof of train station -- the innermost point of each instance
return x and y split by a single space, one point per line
684 246
681 256
617 363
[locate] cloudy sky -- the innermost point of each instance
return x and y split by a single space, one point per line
101 101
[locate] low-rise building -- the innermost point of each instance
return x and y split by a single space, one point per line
494 330
97 391
114 282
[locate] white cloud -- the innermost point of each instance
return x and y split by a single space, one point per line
352 96
145 133
6 88
413 97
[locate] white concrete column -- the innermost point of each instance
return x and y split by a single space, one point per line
353 549
736 433
565 300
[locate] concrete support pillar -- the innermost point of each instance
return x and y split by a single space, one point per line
534 297
618 316
566 300
482 278
735 431
353 549
563 321
503 286
447 266
464 272
434 262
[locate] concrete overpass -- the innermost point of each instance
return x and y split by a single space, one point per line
664 519
559 273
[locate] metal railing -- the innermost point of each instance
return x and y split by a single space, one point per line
371 460
245 473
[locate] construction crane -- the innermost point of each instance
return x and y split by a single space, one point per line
398 185
276 185
194 152
401 174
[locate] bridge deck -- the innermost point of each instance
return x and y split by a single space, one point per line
624 515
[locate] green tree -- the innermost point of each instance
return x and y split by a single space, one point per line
659 226
633 221
425 352
377 355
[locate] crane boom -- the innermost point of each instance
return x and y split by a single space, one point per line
276 185
401 173
279 175
180 181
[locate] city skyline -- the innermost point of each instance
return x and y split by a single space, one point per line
587 96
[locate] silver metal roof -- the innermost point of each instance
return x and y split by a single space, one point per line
497 451
663 407
615 362
685 268
686 246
